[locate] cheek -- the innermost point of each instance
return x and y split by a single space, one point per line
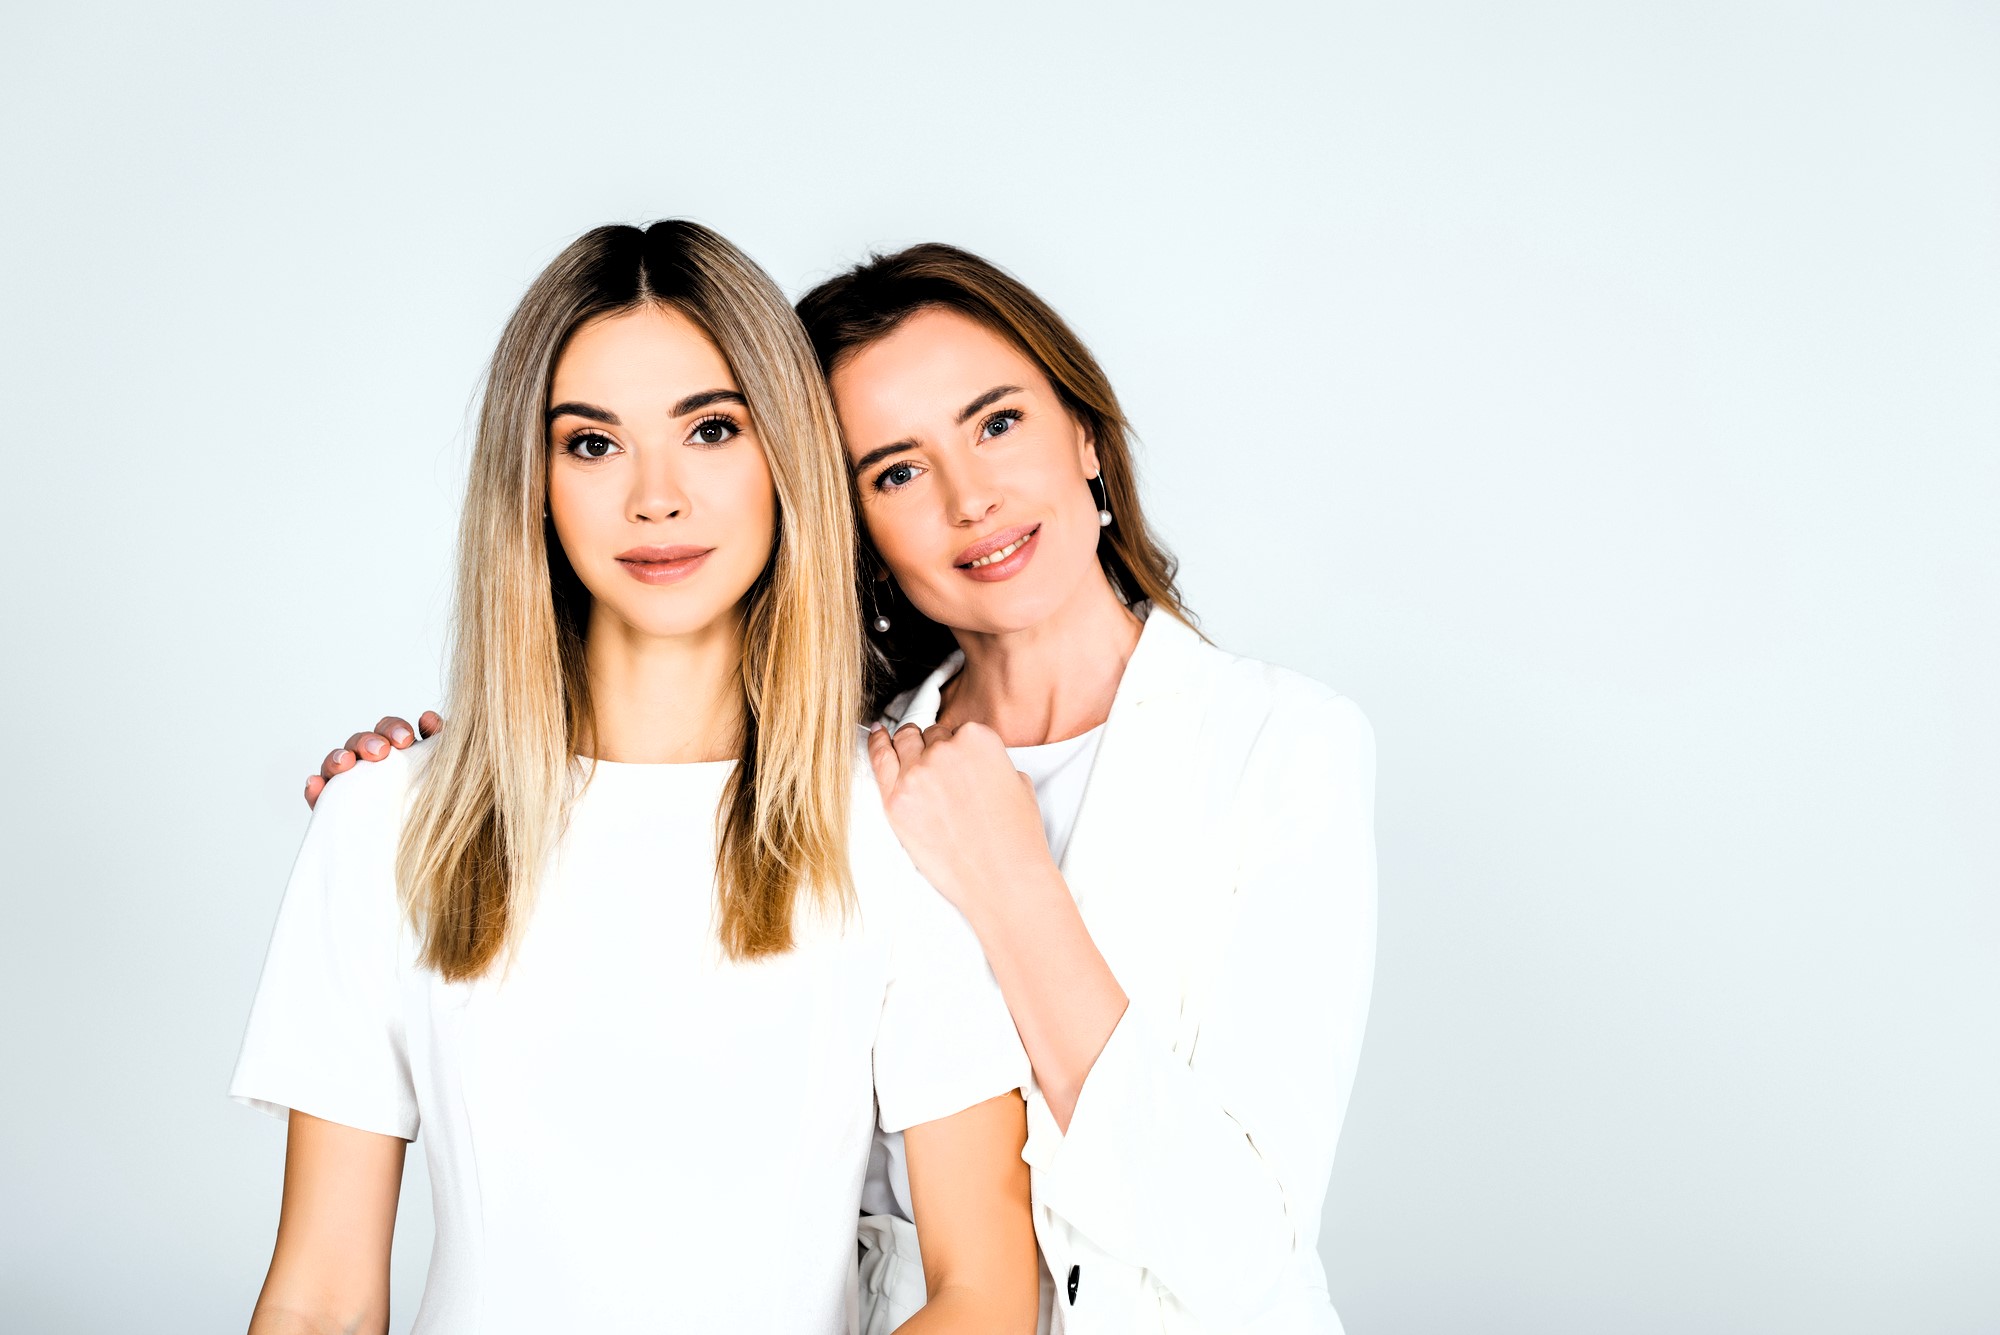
906 539
578 508
754 496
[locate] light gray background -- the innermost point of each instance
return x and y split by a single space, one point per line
1603 394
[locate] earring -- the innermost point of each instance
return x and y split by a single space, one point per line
1102 497
881 623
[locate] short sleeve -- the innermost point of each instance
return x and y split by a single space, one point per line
944 1041
326 1034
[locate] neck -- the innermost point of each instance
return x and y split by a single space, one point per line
664 700
1051 680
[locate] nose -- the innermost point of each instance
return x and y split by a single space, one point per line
657 492
969 494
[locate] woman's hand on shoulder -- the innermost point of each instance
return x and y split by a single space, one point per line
964 814
391 734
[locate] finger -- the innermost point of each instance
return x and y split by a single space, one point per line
431 723
909 743
337 762
314 787
399 733
368 745
882 758
980 735
934 734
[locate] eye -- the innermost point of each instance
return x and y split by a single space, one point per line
1000 423
716 430
896 475
591 445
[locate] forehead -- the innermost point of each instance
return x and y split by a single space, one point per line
650 354
932 365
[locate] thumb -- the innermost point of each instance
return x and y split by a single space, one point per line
882 758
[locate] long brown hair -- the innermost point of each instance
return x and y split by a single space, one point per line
867 303
490 802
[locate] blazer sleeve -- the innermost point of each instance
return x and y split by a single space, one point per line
1209 1170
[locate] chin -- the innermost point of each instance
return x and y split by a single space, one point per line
665 618
1000 609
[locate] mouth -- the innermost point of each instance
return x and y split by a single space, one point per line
662 565
1000 556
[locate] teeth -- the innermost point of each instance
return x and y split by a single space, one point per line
1001 555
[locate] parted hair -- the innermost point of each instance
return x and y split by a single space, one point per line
491 801
868 302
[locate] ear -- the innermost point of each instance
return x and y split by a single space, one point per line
1086 451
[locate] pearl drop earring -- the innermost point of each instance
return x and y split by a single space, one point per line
1103 499
881 622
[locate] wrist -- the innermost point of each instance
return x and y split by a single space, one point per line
1004 909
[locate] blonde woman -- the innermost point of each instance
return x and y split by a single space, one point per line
601 943
1165 849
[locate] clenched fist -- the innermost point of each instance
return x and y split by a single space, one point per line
964 814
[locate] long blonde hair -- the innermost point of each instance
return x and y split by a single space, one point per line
490 802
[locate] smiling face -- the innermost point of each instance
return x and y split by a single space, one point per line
973 475
658 486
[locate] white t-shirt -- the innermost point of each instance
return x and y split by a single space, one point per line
1059 771
625 1130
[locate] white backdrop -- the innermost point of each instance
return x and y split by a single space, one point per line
1603 395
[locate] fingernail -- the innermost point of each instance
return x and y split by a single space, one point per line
399 735
342 756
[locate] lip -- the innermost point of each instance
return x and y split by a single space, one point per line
662 565
1028 535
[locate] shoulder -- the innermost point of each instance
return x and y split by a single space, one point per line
365 807
883 873
1284 711
377 784
343 886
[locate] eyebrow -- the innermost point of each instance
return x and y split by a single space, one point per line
990 396
881 452
590 410
706 398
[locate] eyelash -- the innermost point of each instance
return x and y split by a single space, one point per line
735 429
879 483
1010 414
569 445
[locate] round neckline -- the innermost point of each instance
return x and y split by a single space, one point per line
642 767
1072 743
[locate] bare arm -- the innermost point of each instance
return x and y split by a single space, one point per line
1063 996
969 1192
330 1269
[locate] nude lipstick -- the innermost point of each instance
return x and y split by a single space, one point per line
1003 555
662 565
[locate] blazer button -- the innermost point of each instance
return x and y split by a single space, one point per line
1075 1273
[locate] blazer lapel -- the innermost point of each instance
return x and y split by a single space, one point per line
1139 849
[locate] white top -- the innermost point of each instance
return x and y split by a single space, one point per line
1059 771
1223 860
625 1130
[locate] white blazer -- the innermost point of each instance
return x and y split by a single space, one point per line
1224 862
